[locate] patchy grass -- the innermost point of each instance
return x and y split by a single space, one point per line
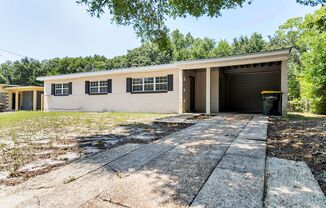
305 116
300 137
33 143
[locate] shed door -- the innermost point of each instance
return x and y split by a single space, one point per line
244 90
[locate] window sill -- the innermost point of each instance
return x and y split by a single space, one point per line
62 95
148 92
104 93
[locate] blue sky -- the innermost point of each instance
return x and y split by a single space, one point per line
43 29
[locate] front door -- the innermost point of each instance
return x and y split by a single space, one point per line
192 93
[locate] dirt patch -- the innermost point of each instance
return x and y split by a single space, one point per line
300 139
39 154
201 117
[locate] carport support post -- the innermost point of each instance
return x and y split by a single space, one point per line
284 86
180 88
16 100
208 90
34 100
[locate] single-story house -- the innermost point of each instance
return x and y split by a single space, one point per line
228 84
16 97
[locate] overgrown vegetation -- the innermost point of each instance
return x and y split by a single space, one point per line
307 64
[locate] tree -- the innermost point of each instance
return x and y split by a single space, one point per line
6 73
256 43
287 36
313 59
202 48
222 49
252 44
147 54
181 45
148 17
307 65
3 79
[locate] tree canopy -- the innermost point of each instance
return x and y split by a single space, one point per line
307 64
148 17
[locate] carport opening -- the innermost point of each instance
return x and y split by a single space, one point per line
240 86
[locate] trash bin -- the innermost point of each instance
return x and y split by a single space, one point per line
271 102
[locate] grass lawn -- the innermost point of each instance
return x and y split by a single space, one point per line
300 137
32 143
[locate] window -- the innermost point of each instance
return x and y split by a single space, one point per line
161 83
149 84
62 89
98 87
137 85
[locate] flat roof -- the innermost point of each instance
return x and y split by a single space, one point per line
24 88
260 57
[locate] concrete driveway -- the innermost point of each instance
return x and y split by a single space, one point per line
219 162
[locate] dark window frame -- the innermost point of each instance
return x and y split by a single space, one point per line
98 87
62 89
145 82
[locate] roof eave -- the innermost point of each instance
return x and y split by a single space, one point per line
108 72
279 55
24 88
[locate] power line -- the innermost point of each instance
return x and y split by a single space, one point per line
11 52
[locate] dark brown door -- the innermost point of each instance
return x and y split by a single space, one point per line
192 93
244 90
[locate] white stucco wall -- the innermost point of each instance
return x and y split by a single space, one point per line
118 100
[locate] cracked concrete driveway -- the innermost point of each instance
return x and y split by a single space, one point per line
219 162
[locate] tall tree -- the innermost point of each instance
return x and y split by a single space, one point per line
222 49
252 44
313 59
288 35
181 45
307 65
202 48
148 17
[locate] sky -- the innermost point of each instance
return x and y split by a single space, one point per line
44 29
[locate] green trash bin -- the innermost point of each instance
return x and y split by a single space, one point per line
271 102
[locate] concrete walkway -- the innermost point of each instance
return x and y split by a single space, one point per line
291 184
219 162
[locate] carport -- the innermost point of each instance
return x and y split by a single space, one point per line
241 85
25 97
233 84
